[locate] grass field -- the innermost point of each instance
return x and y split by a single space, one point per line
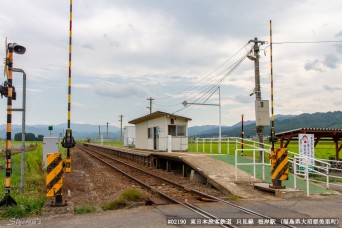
115 143
323 150
33 198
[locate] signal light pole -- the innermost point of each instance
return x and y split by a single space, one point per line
18 49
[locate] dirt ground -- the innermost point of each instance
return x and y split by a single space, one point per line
91 182
94 183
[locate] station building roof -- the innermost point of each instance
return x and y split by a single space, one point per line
155 115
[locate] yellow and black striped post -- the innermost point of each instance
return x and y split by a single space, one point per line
242 135
68 159
279 159
54 178
10 94
279 167
8 200
273 137
68 141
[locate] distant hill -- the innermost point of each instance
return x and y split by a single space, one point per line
79 131
282 123
195 130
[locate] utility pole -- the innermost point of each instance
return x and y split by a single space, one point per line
121 129
99 132
150 99
107 131
257 90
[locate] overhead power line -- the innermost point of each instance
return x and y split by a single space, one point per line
203 80
204 95
308 42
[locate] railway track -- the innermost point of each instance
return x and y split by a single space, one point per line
171 191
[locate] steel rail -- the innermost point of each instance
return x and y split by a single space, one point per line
151 174
187 205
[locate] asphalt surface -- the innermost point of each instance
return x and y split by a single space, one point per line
307 209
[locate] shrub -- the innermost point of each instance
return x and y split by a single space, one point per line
84 209
116 204
125 199
132 194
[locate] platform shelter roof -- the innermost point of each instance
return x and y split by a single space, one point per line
334 134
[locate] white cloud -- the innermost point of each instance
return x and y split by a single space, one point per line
114 90
125 51
315 65
81 85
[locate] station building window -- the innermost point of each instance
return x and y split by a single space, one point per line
150 132
176 130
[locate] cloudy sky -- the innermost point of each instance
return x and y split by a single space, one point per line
125 51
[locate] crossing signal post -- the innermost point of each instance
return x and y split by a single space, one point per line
279 158
8 91
68 141
54 179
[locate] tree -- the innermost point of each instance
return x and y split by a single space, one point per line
40 137
28 137
17 137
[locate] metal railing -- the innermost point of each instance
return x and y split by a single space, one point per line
311 169
254 163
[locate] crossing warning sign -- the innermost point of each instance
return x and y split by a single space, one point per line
54 178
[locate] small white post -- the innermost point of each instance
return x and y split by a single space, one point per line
228 146
236 165
307 177
211 145
295 172
196 144
263 165
254 165
327 172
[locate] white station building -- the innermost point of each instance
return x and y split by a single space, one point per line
161 131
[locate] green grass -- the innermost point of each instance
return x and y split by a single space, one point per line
84 209
116 204
32 200
126 198
114 143
132 194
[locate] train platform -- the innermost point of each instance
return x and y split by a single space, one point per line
314 188
215 170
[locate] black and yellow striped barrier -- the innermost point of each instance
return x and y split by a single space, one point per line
54 178
279 166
